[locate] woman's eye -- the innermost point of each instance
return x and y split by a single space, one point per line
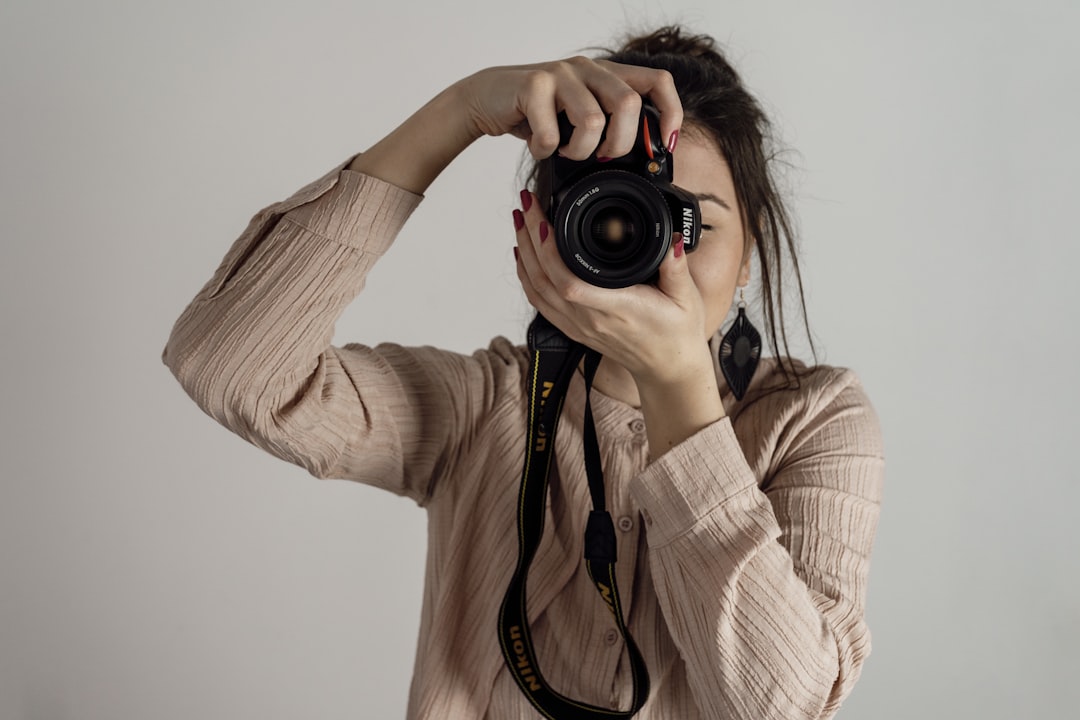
706 228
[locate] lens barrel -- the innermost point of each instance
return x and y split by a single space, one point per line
613 228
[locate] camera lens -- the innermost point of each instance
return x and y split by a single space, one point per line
613 229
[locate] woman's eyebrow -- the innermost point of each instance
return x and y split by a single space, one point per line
715 198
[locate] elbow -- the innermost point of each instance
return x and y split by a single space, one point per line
219 383
284 421
182 359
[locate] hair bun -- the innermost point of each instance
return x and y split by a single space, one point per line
671 39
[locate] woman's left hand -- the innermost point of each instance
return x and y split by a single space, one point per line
656 332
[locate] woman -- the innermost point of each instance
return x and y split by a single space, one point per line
744 526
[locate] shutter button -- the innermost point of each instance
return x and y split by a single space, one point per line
637 426
626 523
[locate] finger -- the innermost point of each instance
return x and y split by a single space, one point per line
538 301
522 131
660 87
560 313
590 85
552 278
528 262
536 102
622 126
538 107
674 279
615 98
623 106
585 114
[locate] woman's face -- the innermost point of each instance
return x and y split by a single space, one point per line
721 261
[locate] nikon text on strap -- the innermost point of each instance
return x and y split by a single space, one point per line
552 366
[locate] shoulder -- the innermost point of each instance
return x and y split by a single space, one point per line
507 363
818 409
503 351
805 389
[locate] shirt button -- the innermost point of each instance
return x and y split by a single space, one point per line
637 426
626 523
611 637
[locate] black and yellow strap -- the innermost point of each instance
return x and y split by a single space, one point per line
554 361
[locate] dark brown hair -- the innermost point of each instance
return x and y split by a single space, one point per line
716 104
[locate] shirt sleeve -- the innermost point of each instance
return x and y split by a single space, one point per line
764 588
253 348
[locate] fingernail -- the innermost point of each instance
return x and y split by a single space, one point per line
672 141
679 248
543 230
603 158
526 200
519 219
517 255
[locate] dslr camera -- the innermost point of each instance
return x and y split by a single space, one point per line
614 221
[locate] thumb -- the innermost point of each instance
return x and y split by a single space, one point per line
675 280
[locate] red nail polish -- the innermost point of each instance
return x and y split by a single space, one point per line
519 220
543 231
526 200
679 248
672 141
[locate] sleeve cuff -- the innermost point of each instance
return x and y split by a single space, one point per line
358 211
690 481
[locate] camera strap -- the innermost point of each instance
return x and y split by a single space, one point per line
554 360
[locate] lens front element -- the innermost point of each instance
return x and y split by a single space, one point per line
613 229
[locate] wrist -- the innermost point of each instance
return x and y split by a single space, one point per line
415 152
459 106
462 100
694 385
673 365
678 407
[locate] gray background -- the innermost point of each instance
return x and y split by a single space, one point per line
152 565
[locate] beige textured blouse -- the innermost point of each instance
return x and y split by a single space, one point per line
743 551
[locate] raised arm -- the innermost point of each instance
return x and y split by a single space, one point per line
524 100
253 348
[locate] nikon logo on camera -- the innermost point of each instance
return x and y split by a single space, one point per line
524 668
688 225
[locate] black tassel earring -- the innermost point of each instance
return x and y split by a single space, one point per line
740 351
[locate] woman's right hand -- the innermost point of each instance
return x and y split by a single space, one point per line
525 100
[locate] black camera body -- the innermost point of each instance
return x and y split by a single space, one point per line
614 221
